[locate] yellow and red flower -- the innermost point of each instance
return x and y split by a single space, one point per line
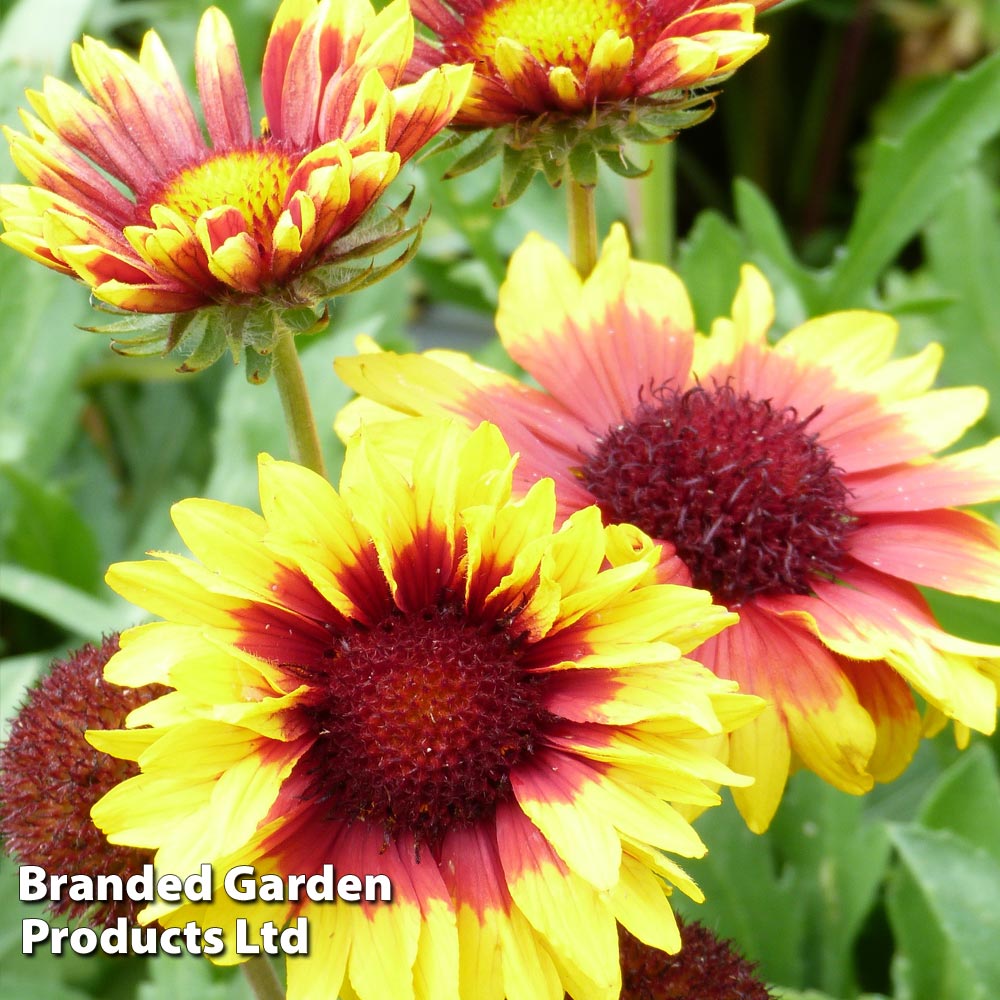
795 481
421 678
566 80
128 196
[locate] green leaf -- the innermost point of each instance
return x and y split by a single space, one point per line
41 530
40 355
837 862
62 604
480 154
909 178
190 976
583 164
966 800
962 242
709 262
741 882
949 943
766 236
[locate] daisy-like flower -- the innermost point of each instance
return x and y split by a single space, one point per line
795 481
420 679
50 777
562 81
128 196
706 968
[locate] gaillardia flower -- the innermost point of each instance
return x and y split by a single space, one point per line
795 481
418 678
706 968
129 197
561 82
50 777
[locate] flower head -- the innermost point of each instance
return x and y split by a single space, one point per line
128 196
419 678
563 81
706 968
795 481
50 777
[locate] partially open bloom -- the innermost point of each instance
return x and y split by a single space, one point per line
420 679
50 777
795 481
129 197
565 80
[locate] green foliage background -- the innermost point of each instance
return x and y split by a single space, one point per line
847 181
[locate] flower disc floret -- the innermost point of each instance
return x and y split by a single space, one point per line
422 676
795 480
423 726
749 498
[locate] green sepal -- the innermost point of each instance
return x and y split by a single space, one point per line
622 165
517 169
258 366
476 157
554 144
583 165
211 346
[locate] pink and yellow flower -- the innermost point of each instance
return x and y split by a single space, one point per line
796 482
420 677
128 196
563 81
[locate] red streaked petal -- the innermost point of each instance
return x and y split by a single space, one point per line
172 101
55 167
673 63
968 477
815 710
950 550
91 130
557 902
889 701
285 29
721 17
425 107
550 789
220 83
523 74
97 265
149 297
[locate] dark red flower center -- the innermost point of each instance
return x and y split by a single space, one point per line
422 719
750 498
707 968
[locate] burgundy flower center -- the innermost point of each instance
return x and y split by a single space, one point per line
752 501
556 32
422 718
254 181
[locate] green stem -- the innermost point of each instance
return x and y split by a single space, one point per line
657 205
582 226
263 979
299 419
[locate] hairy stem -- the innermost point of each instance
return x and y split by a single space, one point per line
299 419
582 226
263 979
657 223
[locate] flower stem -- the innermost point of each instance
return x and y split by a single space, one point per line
263 979
582 226
657 223
299 419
